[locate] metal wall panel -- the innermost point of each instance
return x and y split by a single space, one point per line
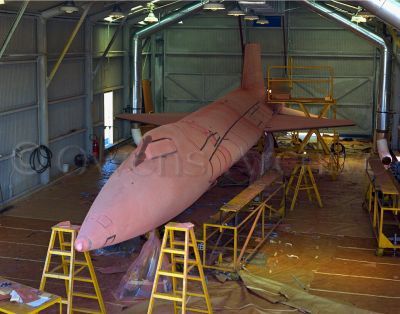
66 117
109 74
14 182
102 35
24 39
68 81
17 85
316 41
17 128
58 32
65 150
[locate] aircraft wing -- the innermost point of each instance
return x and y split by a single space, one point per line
281 122
152 118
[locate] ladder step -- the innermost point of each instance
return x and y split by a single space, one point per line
85 295
84 279
85 310
190 261
60 252
193 294
166 296
193 309
194 278
173 251
170 274
56 276
182 243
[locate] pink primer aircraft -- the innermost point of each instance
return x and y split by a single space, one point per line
177 162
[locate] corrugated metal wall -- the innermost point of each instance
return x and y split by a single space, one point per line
108 77
18 104
66 96
202 61
314 40
191 64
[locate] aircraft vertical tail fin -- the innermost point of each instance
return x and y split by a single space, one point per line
252 77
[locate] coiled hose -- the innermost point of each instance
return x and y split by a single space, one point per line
40 159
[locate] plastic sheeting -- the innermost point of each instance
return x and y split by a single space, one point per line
138 280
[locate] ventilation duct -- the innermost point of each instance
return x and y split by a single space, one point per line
382 112
387 10
137 47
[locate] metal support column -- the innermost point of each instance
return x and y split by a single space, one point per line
43 112
396 98
68 44
88 85
13 27
125 75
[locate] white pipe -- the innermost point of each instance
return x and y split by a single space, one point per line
136 135
383 151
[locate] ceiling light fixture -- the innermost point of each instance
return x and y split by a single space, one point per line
236 12
116 12
214 6
250 16
68 7
1 1
151 18
358 19
262 21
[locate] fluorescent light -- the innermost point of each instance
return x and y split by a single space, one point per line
137 7
252 2
68 7
1 1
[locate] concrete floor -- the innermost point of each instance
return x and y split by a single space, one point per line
328 251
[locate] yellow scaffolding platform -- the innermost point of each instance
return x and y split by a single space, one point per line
70 273
383 205
302 172
231 243
180 252
281 80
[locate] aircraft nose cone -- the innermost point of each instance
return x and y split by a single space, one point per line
96 231
82 244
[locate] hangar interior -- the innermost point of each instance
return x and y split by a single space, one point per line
76 75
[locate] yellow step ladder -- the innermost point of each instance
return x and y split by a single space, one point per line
303 172
70 268
180 252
